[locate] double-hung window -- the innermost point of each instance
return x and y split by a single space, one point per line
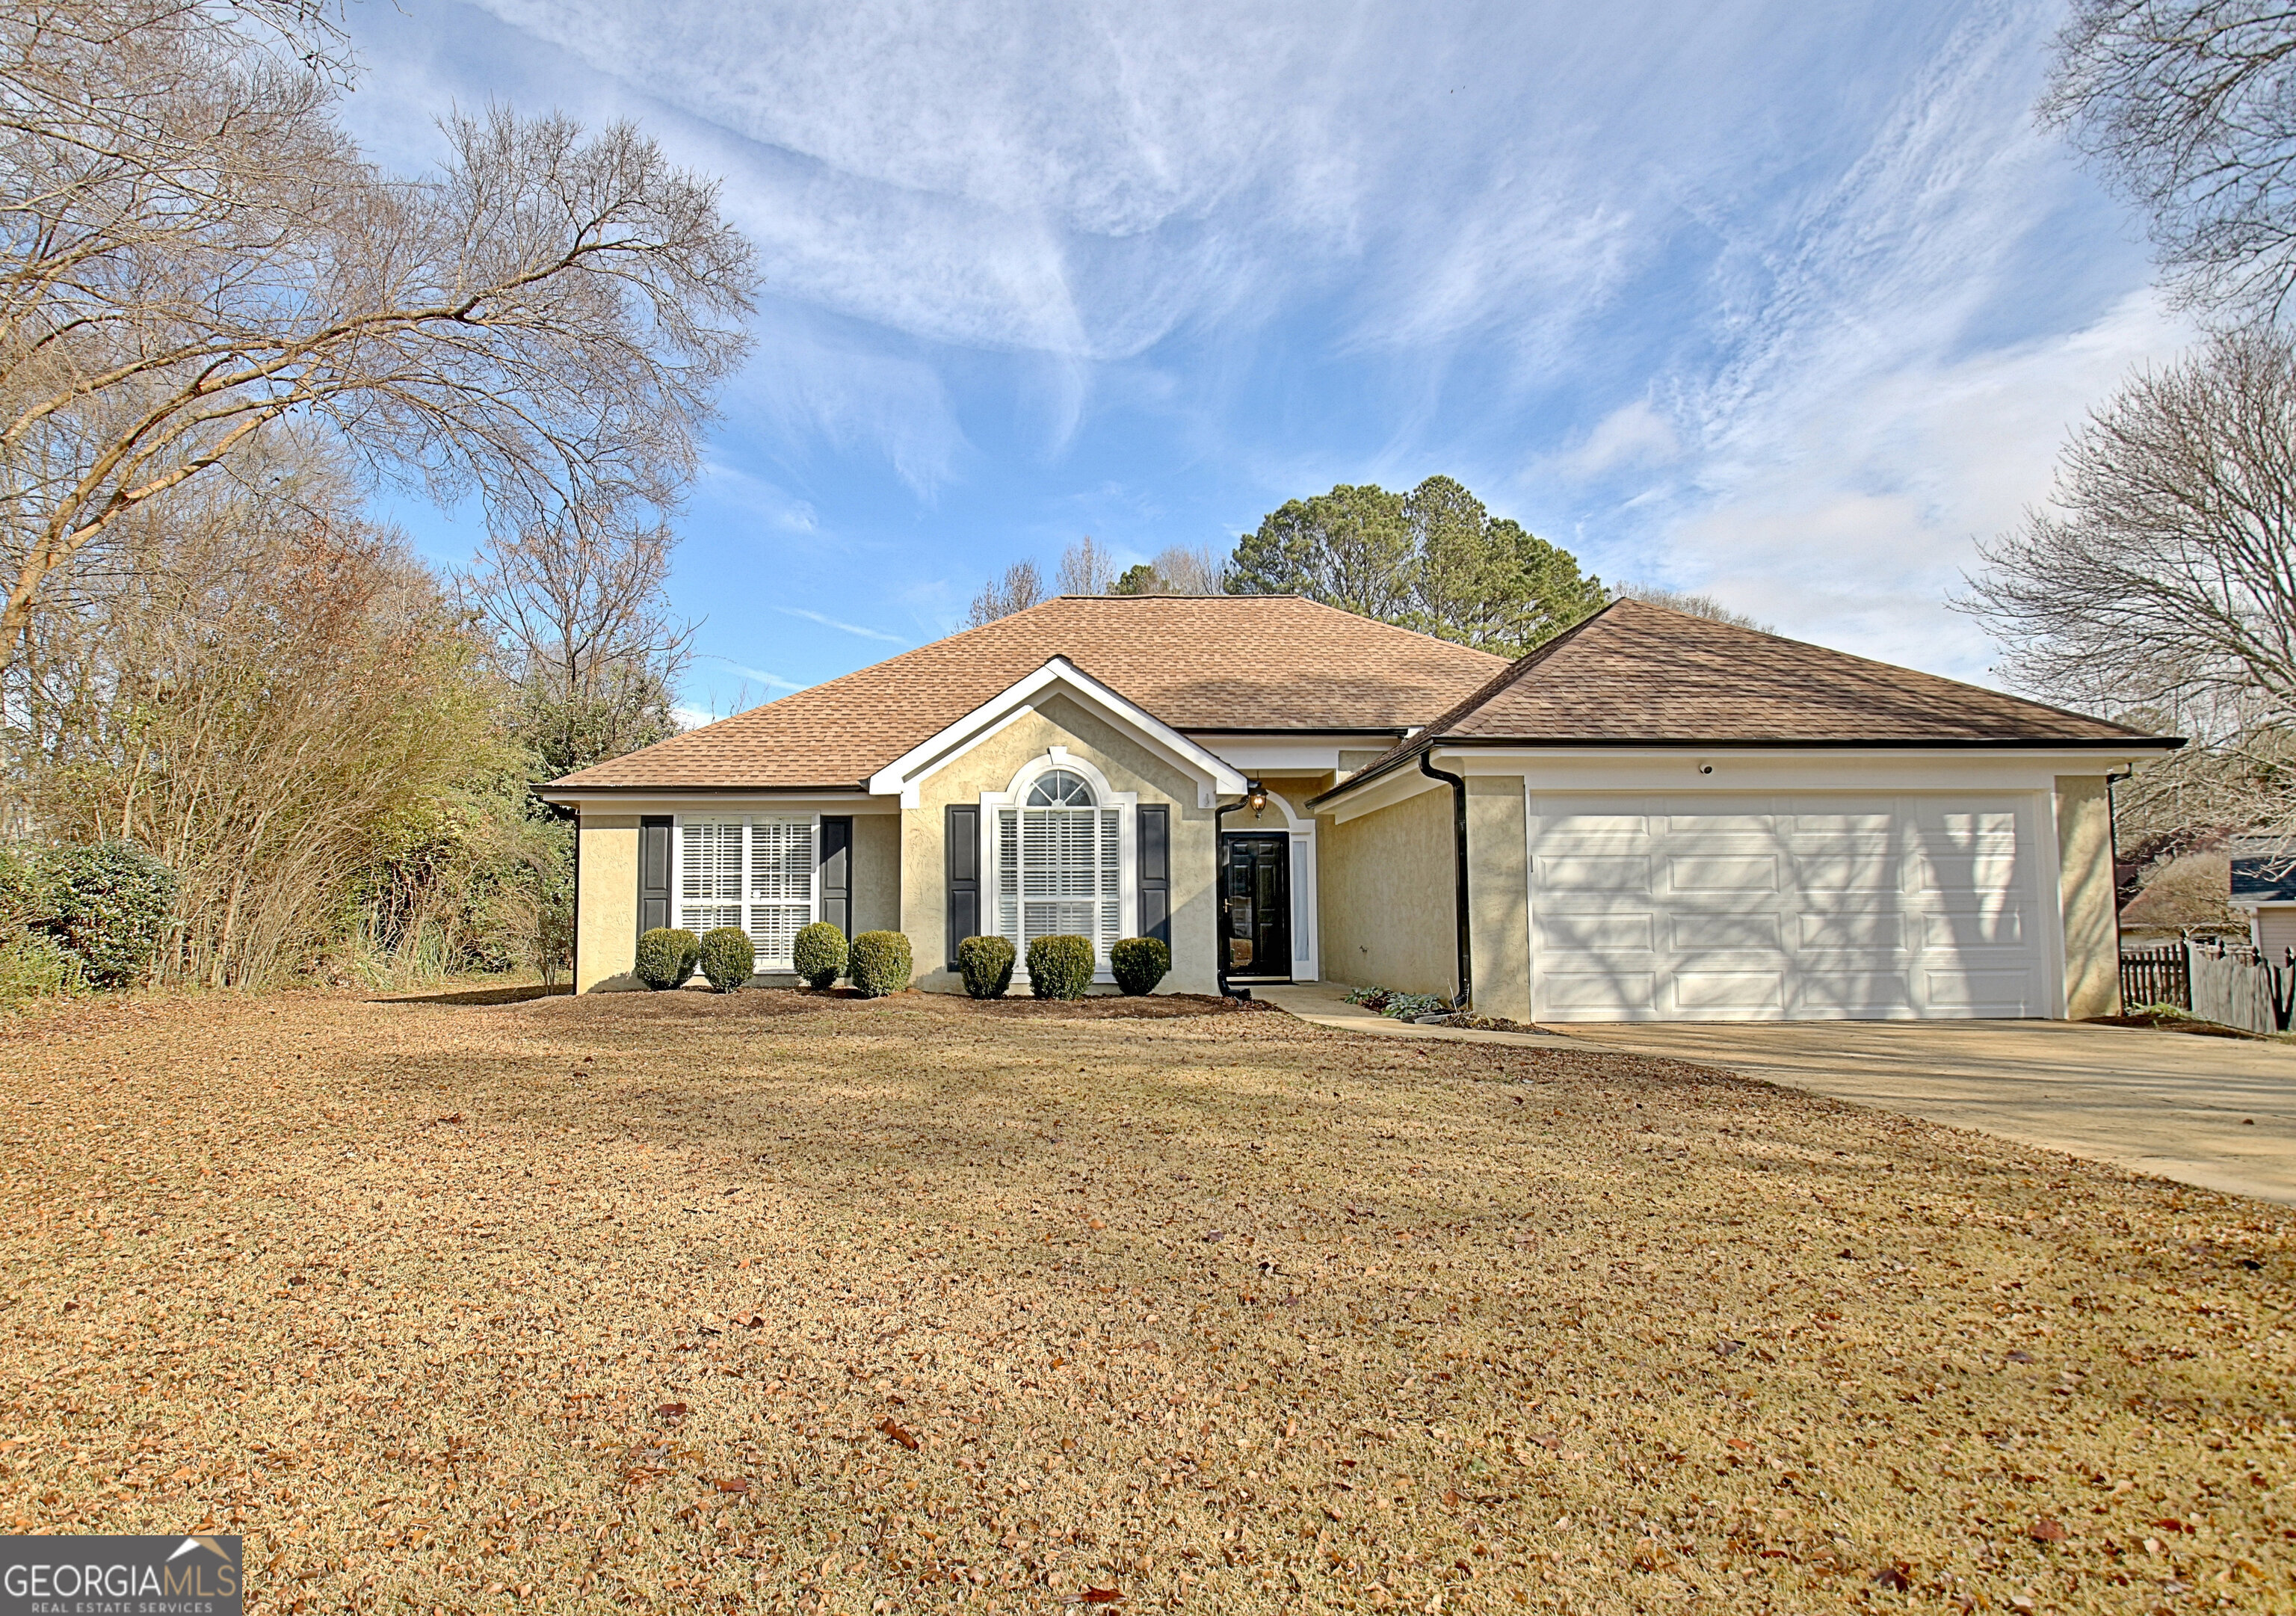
758 872
1058 871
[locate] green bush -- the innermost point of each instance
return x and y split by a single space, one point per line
986 965
819 954
667 956
879 962
1140 963
1060 967
110 905
33 965
728 957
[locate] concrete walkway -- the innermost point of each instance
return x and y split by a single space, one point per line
2216 1113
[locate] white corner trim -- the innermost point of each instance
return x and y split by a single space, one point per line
1214 775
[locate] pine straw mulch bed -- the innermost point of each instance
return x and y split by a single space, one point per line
674 1302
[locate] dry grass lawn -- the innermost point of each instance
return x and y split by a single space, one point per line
688 1303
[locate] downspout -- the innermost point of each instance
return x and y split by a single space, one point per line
1459 837
574 952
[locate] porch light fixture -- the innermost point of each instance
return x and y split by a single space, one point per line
1255 798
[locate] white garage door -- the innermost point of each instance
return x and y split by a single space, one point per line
1786 906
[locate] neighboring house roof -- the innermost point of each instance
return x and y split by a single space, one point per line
1637 674
2263 870
1197 662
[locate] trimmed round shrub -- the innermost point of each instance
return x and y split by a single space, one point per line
1140 963
110 905
986 965
667 956
1060 967
879 962
819 954
728 957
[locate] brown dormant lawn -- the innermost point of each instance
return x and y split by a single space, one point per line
764 1302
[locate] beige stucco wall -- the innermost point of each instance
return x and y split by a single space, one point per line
1385 894
2085 884
606 907
990 766
1498 895
876 872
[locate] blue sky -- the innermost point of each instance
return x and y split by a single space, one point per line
1787 303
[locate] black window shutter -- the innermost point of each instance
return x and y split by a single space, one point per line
964 876
1156 873
837 871
653 871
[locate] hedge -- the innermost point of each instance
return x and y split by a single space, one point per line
819 953
728 957
878 963
1140 963
109 905
667 956
986 965
1060 967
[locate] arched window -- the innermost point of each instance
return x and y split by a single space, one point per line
1057 857
1061 788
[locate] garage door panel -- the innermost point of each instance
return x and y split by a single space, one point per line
1948 933
1846 872
1691 930
1980 992
1809 818
1581 873
1592 996
1882 931
1732 992
1763 826
1881 990
1612 934
1809 904
1721 873
1965 873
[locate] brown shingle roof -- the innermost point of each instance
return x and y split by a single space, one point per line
1262 662
1639 673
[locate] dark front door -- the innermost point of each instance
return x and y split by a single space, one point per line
1256 918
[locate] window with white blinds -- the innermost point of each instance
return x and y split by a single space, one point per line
1057 866
757 874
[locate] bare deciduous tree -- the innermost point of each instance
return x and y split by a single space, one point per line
1695 605
2162 575
1086 568
1021 587
2190 107
194 251
2159 587
580 607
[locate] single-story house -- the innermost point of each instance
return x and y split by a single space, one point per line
1652 817
2264 884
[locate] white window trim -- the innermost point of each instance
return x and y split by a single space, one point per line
746 819
1128 844
1215 777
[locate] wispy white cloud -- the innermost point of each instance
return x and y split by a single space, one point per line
1633 435
1784 302
771 681
830 622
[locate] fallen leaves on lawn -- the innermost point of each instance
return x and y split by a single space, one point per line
631 1337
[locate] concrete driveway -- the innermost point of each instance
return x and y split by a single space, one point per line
2217 1112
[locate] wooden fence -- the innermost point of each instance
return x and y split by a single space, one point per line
2156 976
2234 987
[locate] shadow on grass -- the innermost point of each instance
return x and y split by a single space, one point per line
482 995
